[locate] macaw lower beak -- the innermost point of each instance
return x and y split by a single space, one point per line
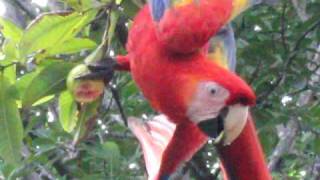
227 126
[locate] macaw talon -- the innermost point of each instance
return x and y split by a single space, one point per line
94 75
100 70
104 64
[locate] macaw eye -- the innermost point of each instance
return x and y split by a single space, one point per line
213 91
213 88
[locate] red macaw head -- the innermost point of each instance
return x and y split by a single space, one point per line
217 100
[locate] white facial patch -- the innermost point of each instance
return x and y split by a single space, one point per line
207 101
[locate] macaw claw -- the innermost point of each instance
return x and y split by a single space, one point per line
100 70
102 64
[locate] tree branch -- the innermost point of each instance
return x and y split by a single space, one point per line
26 7
287 136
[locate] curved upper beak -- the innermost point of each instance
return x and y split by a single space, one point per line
227 126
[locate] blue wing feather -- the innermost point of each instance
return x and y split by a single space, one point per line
158 8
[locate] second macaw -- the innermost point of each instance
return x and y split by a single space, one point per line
168 59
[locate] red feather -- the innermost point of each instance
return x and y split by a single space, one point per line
244 159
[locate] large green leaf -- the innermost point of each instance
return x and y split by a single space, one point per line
50 31
10 73
68 111
11 133
10 30
73 45
9 49
19 88
49 81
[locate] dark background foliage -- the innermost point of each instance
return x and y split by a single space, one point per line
44 136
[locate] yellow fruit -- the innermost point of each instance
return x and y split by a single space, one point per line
84 90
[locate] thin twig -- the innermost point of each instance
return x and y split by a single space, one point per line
283 28
116 97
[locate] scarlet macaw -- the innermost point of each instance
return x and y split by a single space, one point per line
155 135
169 63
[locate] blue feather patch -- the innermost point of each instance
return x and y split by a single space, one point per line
158 8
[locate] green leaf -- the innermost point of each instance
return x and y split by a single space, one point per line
10 50
11 133
130 8
50 31
10 30
10 73
109 151
43 100
105 1
49 81
87 112
19 88
118 1
112 152
73 46
95 55
7 169
316 145
68 111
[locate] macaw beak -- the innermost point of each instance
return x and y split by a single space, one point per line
227 126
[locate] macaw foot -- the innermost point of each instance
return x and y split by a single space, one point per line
104 70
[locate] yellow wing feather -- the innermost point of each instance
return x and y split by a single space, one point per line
218 56
239 6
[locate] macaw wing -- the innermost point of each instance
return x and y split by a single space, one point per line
154 136
166 145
